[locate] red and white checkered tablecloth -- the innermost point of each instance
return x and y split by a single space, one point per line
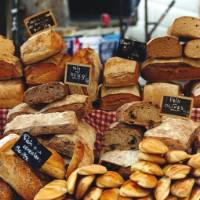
98 119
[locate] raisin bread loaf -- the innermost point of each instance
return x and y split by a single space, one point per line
164 47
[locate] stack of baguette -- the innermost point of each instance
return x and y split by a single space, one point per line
120 83
11 85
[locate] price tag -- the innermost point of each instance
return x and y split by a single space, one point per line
31 151
132 50
176 105
77 74
40 21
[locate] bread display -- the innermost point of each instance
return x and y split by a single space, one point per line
113 98
89 57
78 103
41 46
120 72
186 27
158 70
49 70
19 176
154 92
176 133
191 49
45 93
37 124
139 113
164 47
121 136
11 93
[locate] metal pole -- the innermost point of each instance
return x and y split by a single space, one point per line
146 20
121 19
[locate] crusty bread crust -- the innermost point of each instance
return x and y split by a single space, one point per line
192 49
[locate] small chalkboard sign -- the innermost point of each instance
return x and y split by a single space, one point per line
77 74
31 151
132 50
40 21
176 105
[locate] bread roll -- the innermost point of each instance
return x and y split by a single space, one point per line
89 57
154 92
170 197
83 186
50 123
163 189
195 161
151 158
144 180
120 72
78 103
147 167
186 26
175 156
139 113
176 133
176 171
182 188
92 170
110 194
21 109
41 46
110 179
120 136
5 192
45 93
11 93
164 47
131 189
152 145
94 194
19 176
195 194
71 182
191 49
196 172
113 98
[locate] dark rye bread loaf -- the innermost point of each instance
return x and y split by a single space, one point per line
192 49
45 93
164 47
139 113
186 27
121 136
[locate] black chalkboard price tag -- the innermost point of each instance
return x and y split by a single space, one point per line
31 151
77 74
40 21
132 50
176 105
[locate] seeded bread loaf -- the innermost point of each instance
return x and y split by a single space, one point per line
37 124
45 93
192 49
155 91
139 113
164 47
159 70
119 72
186 27
78 103
41 46
113 98
120 136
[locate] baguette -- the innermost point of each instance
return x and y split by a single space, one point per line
37 124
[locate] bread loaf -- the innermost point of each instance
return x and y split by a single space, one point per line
78 103
41 46
19 176
45 93
89 57
154 92
49 70
121 137
139 113
20 109
186 27
192 49
164 47
37 124
176 133
5 192
113 98
6 45
120 72
158 70
11 93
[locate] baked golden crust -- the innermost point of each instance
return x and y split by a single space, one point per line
5 191
6 45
